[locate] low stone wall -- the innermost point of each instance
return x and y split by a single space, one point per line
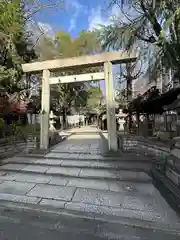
165 160
10 147
128 143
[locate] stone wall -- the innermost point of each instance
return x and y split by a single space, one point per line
128 143
165 160
10 147
142 145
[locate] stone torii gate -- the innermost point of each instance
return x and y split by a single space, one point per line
104 59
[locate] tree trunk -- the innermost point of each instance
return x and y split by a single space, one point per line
138 120
64 117
129 99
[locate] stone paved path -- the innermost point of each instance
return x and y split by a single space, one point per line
76 177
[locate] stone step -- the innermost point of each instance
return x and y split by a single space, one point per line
134 166
91 152
89 157
94 173
73 195
136 211
132 189
117 218
97 153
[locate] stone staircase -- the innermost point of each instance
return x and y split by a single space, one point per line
85 166
76 178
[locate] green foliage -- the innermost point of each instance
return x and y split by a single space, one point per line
64 44
85 43
121 97
29 130
15 46
153 26
46 49
74 95
94 101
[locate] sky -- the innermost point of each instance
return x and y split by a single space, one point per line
76 16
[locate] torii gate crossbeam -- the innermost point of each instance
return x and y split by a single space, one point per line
77 78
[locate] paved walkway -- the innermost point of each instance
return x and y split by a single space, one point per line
75 177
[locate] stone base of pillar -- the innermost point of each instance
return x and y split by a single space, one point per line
44 135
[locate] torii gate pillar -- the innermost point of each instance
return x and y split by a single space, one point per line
45 108
110 105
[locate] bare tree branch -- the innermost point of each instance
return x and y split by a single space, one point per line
36 6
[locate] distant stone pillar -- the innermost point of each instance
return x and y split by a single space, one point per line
29 118
110 104
34 118
45 107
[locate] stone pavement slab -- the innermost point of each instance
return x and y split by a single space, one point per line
114 211
8 176
113 174
19 160
94 197
106 164
52 203
35 168
78 151
73 155
2 173
106 198
64 171
61 147
52 192
133 188
32 178
140 203
19 198
134 176
72 163
48 162
97 173
89 183
25 177
91 157
18 188
62 181
90 164
13 166
57 155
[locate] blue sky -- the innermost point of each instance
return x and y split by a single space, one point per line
78 15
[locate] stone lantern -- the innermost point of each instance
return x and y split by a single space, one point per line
121 120
52 130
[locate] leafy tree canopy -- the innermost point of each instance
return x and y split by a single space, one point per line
15 44
75 95
152 26
95 99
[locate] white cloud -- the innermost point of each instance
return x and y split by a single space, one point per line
40 29
45 28
97 16
77 8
